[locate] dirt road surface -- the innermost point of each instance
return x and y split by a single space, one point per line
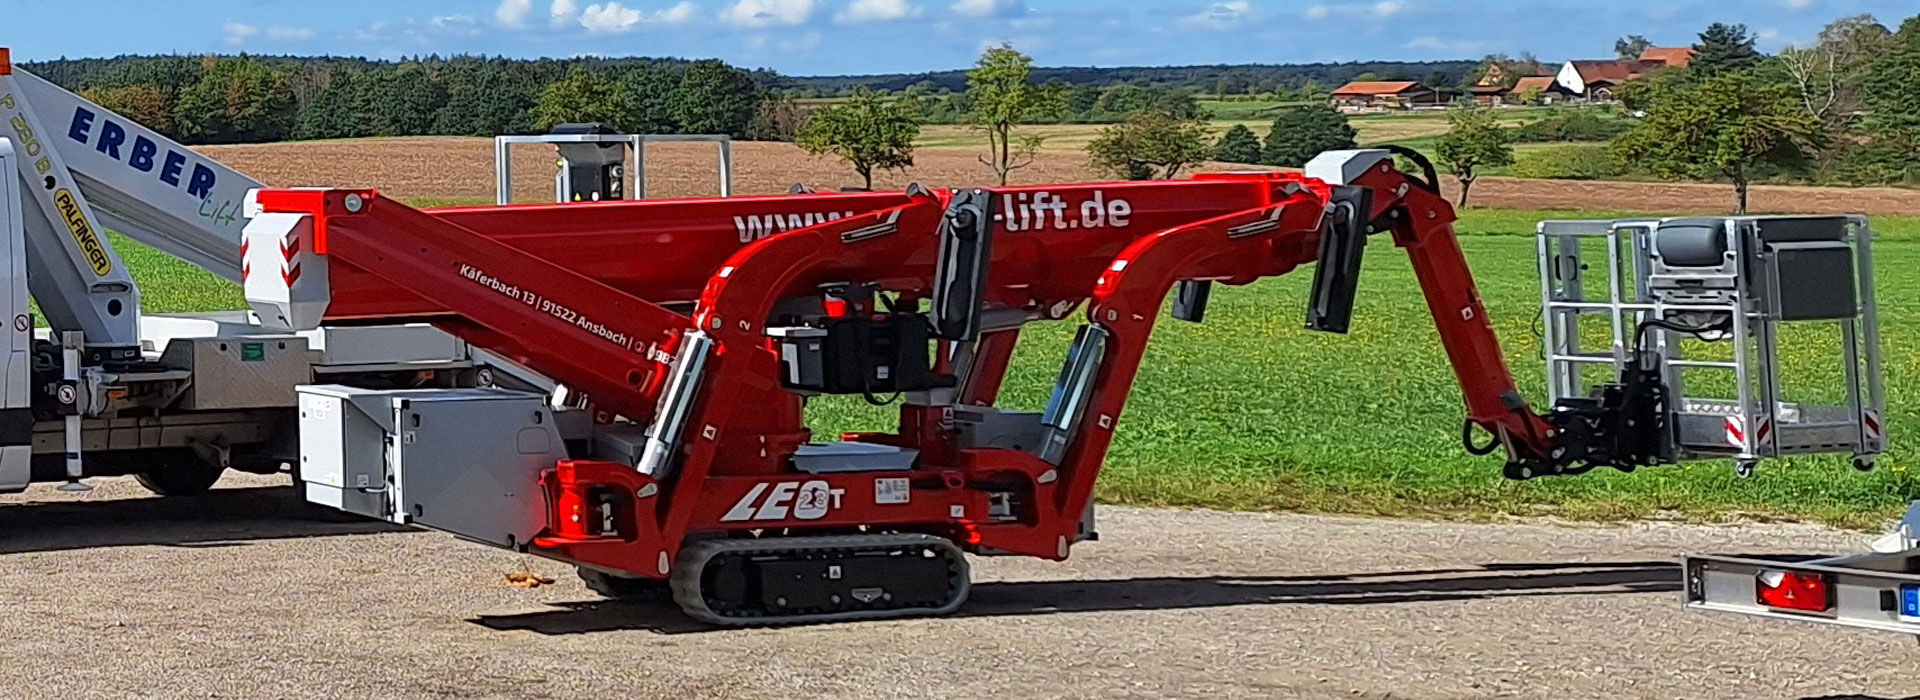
117 595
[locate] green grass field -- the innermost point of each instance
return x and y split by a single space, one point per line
1248 411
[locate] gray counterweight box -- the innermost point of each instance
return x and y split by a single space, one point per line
465 461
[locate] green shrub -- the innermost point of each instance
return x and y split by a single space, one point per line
1871 164
1583 125
1582 162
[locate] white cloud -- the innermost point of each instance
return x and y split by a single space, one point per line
792 45
372 32
1453 46
513 13
289 33
463 25
237 33
682 13
1796 4
562 13
1220 16
768 13
981 9
610 18
1358 10
878 11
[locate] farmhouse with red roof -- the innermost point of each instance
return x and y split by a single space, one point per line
1403 94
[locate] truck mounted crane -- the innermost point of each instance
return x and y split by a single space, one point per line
696 351
176 399
108 390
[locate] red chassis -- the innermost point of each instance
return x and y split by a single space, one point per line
605 298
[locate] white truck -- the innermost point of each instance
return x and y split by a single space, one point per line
174 399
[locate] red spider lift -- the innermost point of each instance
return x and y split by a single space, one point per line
689 348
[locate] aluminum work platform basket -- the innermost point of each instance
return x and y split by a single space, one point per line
1713 301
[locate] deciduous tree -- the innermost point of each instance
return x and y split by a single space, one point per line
237 100
867 131
1004 99
582 97
1890 91
1150 145
1238 145
1304 132
1728 126
149 105
1474 140
714 98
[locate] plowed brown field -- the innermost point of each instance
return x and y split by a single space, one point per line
445 170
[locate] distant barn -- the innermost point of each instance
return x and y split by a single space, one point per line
1595 81
1356 96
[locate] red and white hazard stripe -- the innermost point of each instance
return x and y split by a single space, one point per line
1737 432
1875 430
290 257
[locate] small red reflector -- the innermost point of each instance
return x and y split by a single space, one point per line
1793 590
837 307
6 62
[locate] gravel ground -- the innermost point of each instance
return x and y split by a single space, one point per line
235 594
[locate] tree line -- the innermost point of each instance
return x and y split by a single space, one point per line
235 99
1214 80
249 98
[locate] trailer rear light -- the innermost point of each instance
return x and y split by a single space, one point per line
6 62
1794 590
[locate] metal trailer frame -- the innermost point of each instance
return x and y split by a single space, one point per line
1878 590
1870 591
1756 423
636 149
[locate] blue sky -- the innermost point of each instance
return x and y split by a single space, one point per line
810 37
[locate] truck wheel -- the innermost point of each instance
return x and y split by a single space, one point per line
643 590
180 477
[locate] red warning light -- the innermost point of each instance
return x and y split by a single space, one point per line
1794 590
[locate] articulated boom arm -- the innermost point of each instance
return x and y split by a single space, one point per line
1421 222
721 377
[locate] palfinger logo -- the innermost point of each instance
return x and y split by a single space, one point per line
83 233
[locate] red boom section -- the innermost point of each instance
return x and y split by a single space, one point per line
591 335
657 250
1422 224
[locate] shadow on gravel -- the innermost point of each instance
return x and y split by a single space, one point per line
1389 587
1053 597
219 518
1860 697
